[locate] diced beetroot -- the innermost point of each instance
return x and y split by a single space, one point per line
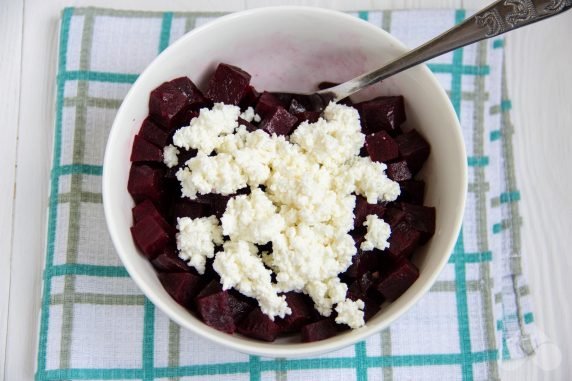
396 283
213 287
381 147
382 113
319 330
363 209
421 218
249 126
279 122
145 151
150 236
414 149
359 287
216 201
371 308
144 209
195 97
190 208
363 262
258 326
250 99
403 240
229 84
167 105
240 305
393 216
153 133
144 182
412 191
302 312
181 286
215 311
308 116
398 171
169 262
267 104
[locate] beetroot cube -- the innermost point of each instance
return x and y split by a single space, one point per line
213 287
150 236
319 330
382 113
359 287
302 312
195 97
229 84
144 209
144 182
144 151
398 171
153 133
421 218
363 262
169 262
412 191
393 216
363 209
215 311
403 240
279 122
167 105
181 286
258 326
371 308
190 208
381 147
267 104
240 305
250 99
414 149
400 279
308 116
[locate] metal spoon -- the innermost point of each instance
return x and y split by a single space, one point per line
498 18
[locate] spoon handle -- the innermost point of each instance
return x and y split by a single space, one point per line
498 18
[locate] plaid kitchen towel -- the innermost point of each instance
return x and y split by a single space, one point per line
96 324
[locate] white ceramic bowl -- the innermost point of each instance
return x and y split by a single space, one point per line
293 49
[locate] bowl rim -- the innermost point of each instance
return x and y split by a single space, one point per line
290 350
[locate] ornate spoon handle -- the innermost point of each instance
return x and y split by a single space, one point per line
500 17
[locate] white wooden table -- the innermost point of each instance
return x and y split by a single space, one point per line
539 61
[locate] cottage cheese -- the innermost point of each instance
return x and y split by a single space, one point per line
378 231
350 313
249 115
170 157
196 240
241 268
305 210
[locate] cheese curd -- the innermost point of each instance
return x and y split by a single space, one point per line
305 208
378 232
350 313
170 157
196 240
